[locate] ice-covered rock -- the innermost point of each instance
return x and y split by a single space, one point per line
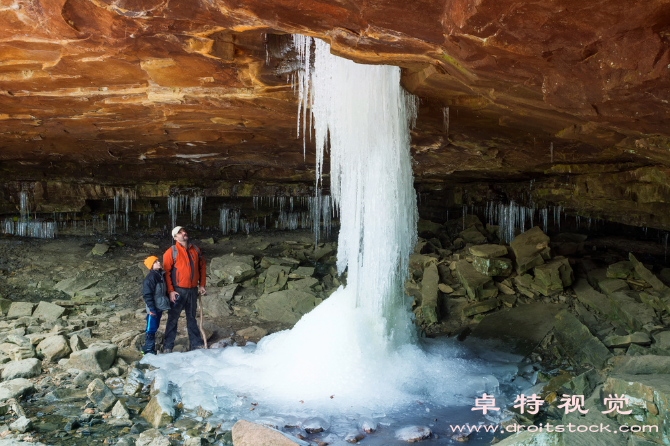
412 434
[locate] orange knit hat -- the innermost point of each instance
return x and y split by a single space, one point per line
149 261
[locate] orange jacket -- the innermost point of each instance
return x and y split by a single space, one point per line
190 268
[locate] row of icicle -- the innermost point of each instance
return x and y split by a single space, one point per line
317 217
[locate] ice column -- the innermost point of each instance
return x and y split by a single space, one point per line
363 115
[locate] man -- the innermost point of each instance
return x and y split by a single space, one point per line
185 276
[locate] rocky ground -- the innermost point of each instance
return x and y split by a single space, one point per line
592 320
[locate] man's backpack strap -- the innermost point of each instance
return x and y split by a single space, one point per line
174 253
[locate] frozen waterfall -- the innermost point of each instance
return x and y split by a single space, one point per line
357 352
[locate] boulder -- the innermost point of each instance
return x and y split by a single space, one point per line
594 417
648 397
480 307
530 249
593 299
160 411
84 378
472 235
19 340
302 272
552 276
646 275
640 365
635 315
478 286
276 277
216 304
15 388
20 309
233 269
488 251
255 333
21 425
227 292
429 310
16 352
615 341
267 262
101 395
27 368
620 270
578 342
500 266
446 289
124 339
4 305
47 311
97 358
285 306
246 433
583 384
76 284
662 340
53 348
36 338
152 437
609 286
306 284
423 226
76 343
100 249
654 299
324 252
120 411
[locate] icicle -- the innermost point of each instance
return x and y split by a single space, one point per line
445 118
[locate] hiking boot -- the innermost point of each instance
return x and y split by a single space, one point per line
167 350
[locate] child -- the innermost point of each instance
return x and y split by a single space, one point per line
154 292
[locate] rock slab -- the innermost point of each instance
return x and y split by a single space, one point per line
251 434
578 341
530 249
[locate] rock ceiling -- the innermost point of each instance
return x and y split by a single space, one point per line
130 91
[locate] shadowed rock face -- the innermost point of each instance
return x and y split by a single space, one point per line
131 92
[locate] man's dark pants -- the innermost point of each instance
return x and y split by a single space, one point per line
188 301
